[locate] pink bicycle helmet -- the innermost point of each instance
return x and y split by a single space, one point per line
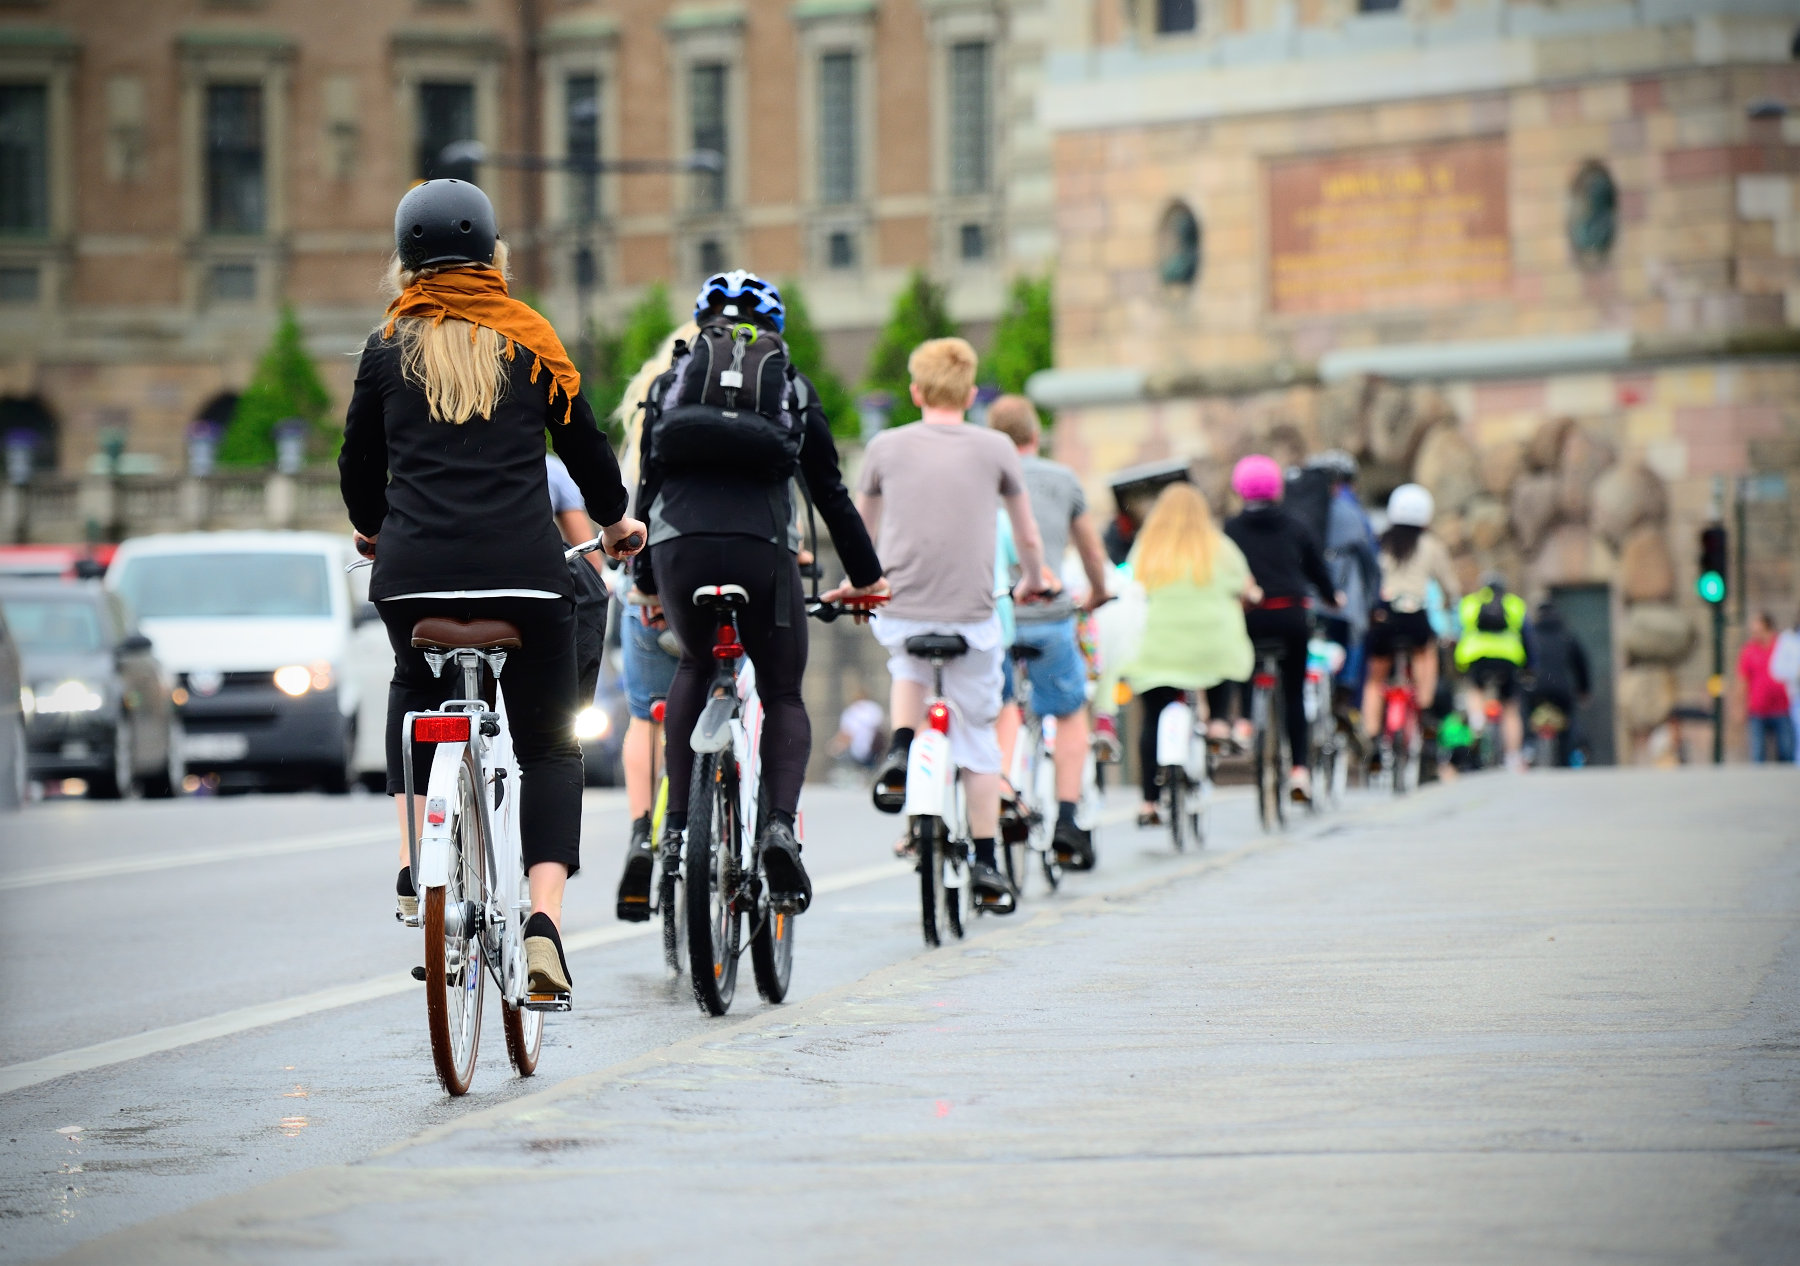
1257 478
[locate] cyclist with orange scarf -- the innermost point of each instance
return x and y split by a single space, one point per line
443 468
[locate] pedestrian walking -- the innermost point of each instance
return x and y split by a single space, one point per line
1784 666
1766 699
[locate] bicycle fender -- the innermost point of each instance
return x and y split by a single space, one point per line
435 837
1174 735
929 772
712 732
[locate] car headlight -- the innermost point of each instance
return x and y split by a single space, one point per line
293 679
591 723
27 700
73 695
297 679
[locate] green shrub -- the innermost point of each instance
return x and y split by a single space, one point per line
1023 338
808 356
285 385
920 312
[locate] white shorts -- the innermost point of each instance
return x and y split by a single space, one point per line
972 683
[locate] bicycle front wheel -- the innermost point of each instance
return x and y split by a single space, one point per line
454 979
524 1029
715 926
772 945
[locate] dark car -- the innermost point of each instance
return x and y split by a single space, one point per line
101 705
12 722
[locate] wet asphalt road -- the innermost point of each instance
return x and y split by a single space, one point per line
1544 1019
162 937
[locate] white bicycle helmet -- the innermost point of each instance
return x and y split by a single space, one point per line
1411 506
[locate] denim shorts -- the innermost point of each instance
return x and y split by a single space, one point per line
1058 677
647 669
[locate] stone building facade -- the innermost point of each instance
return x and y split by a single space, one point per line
1543 258
173 171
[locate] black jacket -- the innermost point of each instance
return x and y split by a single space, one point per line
466 506
1557 660
1283 556
719 502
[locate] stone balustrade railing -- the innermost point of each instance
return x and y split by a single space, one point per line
66 510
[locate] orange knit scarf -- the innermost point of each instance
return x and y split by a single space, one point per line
478 296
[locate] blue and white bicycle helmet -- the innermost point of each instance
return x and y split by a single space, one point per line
741 289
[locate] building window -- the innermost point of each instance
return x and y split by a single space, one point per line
840 249
233 282
1179 250
707 112
19 284
581 132
234 158
1593 214
837 128
24 159
446 116
970 117
1177 17
972 240
1377 6
712 257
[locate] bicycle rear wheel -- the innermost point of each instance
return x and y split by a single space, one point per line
954 880
925 841
454 977
714 925
1173 788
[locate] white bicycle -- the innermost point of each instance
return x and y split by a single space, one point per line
467 862
1185 764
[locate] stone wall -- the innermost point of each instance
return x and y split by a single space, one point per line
1592 478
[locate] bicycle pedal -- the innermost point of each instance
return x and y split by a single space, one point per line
408 920
547 1002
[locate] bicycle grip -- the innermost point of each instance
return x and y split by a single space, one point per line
631 544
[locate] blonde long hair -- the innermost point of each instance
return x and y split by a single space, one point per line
628 417
460 366
1178 540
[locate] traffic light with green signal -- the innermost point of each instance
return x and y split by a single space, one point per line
1711 584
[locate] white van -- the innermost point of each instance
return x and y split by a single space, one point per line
269 641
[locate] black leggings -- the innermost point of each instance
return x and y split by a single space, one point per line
539 682
1291 627
1153 701
769 574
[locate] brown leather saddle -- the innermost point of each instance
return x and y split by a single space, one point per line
438 633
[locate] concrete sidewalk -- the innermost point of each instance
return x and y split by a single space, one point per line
1547 1018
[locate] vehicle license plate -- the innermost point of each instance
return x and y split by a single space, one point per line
215 747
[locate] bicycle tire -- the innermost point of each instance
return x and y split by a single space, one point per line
924 835
1172 789
524 1031
714 924
955 894
772 944
454 977
1401 760
673 908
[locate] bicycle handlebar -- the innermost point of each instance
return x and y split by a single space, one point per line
858 609
633 543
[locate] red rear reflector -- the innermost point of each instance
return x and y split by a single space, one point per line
1314 675
658 711
937 716
725 643
440 729
1263 681
1492 709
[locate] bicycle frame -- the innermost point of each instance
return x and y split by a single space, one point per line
486 756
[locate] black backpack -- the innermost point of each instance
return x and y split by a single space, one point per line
1490 617
731 400
1307 499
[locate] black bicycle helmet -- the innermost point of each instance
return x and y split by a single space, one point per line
442 222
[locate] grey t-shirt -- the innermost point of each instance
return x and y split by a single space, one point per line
939 487
1056 498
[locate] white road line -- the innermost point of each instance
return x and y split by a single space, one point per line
119 1050
194 857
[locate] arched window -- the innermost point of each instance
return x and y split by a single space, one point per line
1180 246
29 427
1593 214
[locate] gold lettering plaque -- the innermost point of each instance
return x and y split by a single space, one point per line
1416 226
